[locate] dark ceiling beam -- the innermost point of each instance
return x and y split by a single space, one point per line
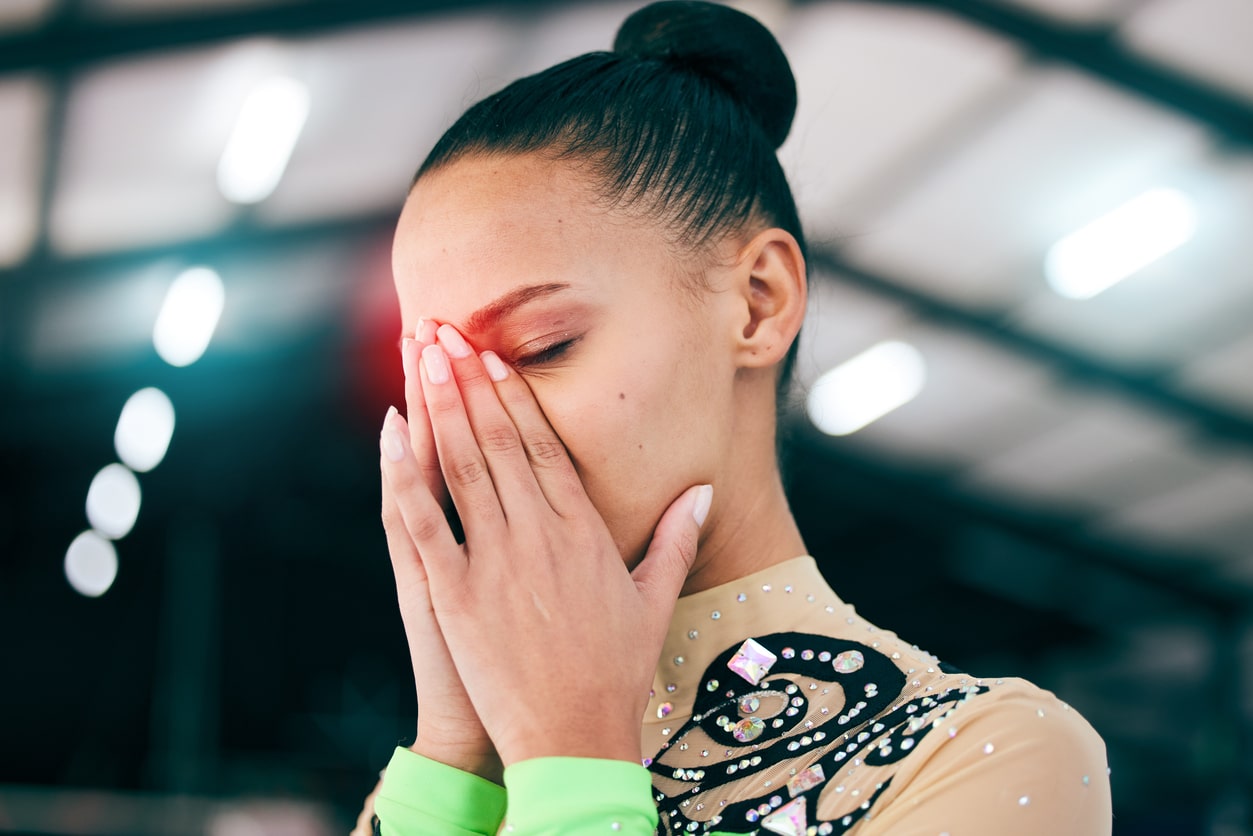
93 39
1152 389
1101 52
1169 573
87 40
47 275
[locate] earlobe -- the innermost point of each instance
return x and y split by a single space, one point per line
773 288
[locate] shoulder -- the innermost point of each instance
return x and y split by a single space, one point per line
1009 754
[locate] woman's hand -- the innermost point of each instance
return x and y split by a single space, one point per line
449 730
555 640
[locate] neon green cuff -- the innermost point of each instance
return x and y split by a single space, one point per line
577 796
422 796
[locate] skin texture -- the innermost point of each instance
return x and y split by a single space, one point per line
628 383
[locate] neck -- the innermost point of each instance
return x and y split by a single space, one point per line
751 529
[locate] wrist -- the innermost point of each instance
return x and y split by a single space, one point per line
473 758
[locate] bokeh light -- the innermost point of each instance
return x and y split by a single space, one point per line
113 501
91 564
189 316
144 429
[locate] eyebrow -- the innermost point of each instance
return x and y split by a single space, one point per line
487 316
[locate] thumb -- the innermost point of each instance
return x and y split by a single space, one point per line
659 576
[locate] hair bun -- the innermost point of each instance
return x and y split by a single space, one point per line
719 43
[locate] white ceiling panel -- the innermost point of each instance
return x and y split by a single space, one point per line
380 98
1095 461
98 324
1225 376
16 15
877 87
1213 513
153 8
1178 306
542 40
840 322
976 402
142 145
1209 39
1077 12
23 104
976 228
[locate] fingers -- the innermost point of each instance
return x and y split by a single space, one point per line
422 516
465 468
493 430
420 436
545 452
406 562
660 575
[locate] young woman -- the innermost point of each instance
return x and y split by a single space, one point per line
602 277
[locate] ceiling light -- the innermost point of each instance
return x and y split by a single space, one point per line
265 133
188 316
144 429
90 564
113 501
866 388
1114 246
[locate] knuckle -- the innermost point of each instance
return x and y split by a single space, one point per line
466 472
426 527
498 439
545 449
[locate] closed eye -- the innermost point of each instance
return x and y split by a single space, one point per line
550 354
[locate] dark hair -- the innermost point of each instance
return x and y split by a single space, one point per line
681 120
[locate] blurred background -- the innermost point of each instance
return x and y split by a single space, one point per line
1024 438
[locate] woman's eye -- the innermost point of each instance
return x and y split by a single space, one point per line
547 355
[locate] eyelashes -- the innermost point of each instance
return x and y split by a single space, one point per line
551 354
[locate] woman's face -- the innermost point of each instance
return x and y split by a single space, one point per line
625 356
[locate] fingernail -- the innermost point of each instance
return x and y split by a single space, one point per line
453 343
436 364
408 357
704 498
390 441
425 332
496 370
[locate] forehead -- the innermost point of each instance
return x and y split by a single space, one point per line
481 226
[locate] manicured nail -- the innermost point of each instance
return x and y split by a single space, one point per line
425 332
704 498
390 441
496 370
409 358
436 364
453 343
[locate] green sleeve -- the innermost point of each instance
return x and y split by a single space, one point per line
578 796
422 796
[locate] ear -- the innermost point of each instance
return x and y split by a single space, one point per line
770 284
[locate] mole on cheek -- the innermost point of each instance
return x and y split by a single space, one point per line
622 396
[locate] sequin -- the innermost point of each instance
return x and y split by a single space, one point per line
850 661
752 661
788 820
988 749
663 710
1024 801
711 685
807 655
741 597
765 587
749 705
671 688
748 729
806 779
787 653
824 656
678 660
715 615
692 634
